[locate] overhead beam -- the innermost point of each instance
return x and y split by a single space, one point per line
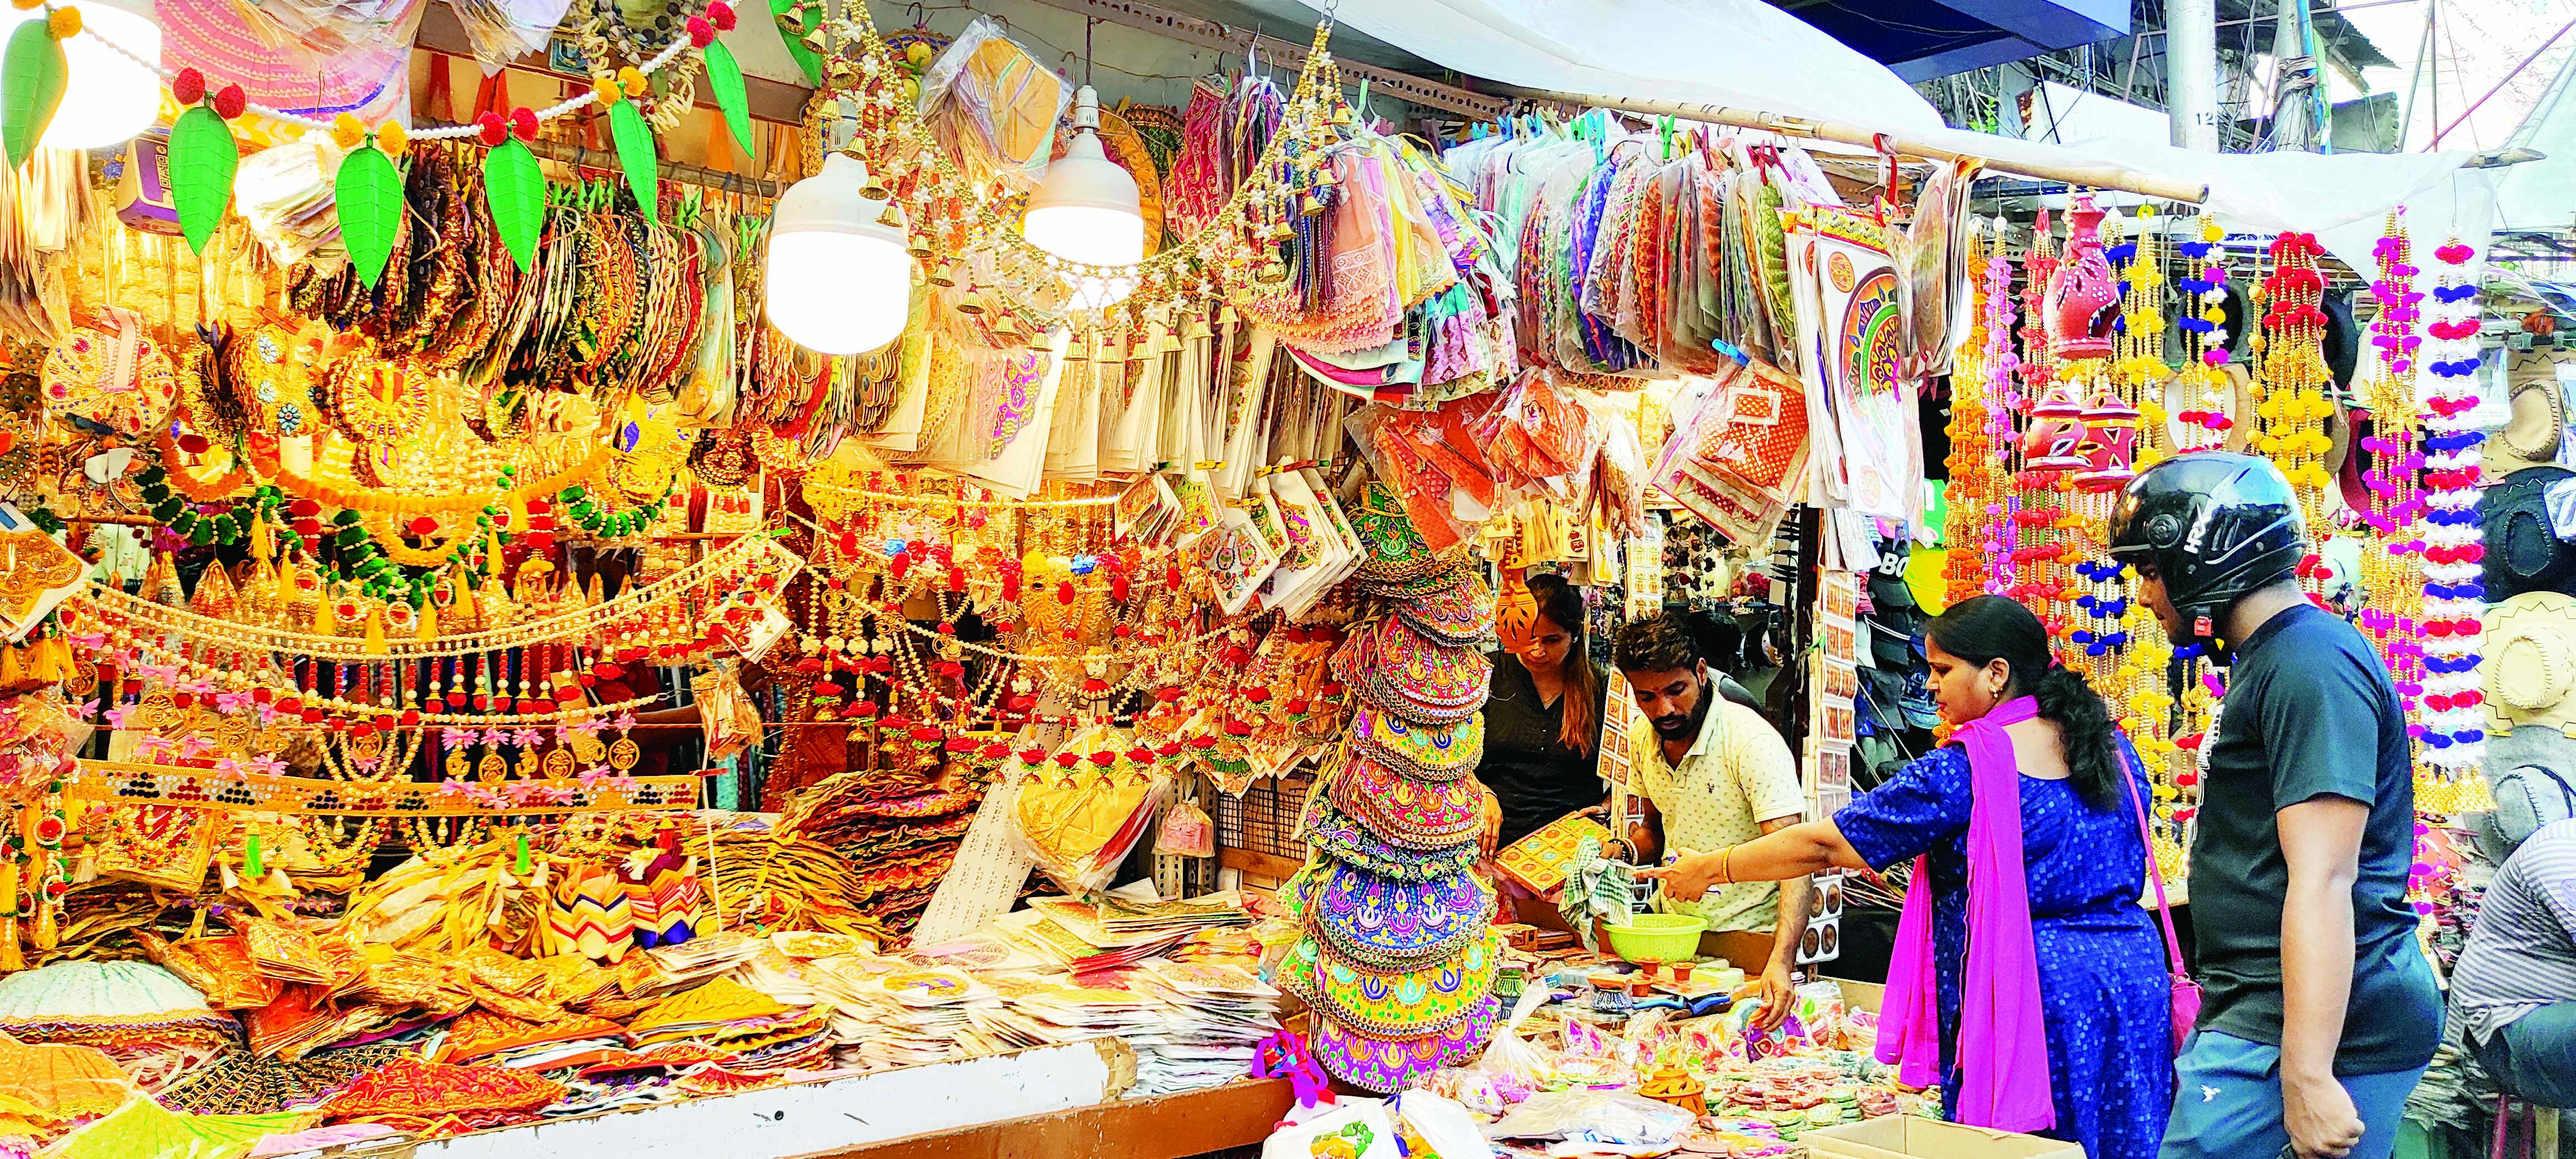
2097 176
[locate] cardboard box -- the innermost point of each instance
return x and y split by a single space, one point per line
1867 996
1907 1137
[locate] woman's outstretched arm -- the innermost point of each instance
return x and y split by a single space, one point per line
1801 849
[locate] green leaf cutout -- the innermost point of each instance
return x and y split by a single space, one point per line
635 153
203 156
515 190
724 75
32 77
369 193
795 38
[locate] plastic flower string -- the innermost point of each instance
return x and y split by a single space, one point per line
1987 507
2453 731
2291 377
2040 545
2392 611
1975 492
2203 421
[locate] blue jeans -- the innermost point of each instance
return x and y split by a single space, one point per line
2534 1056
2227 1102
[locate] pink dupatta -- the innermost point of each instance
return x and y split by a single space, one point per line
2003 1037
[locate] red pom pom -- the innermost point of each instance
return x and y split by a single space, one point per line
721 15
189 87
523 123
701 33
194 443
423 527
492 129
231 102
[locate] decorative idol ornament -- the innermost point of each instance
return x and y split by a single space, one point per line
2453 730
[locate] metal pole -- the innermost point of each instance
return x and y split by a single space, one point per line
2191 73
2292 72
2097 176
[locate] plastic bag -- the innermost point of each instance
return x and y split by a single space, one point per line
1187 831
1350 1129
1605 1118
1436 1128
993 106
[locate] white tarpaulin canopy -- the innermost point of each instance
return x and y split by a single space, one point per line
1753 57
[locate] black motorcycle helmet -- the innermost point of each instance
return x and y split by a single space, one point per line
2216 525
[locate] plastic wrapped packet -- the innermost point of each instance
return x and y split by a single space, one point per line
501 31
993 106
1610 1119
1344 1129
1432 1127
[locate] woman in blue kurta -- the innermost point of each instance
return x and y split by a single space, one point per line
2101 968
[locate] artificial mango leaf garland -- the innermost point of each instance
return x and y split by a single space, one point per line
516 191
33 75
796 20
635 154
203 156
369 191
724 76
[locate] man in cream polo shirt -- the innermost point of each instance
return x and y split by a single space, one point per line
1715 774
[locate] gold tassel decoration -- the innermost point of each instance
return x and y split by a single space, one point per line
376 632
463 607
259 545
428 622
10 957
322 625
13 673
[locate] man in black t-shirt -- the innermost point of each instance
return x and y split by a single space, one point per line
2319 1013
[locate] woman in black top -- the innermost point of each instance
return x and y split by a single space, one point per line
1542 719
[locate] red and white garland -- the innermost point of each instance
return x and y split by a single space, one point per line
2454 724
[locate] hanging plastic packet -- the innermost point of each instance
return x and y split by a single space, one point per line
993 106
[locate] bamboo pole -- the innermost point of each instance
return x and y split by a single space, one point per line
2096 176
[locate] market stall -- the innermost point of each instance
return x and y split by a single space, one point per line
774 567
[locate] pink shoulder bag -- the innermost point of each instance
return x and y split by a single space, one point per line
2186 993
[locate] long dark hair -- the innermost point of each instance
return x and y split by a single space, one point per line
1982 629
1561 605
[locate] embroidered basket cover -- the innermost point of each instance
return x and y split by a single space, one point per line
1461 616
1386 924
409 1087
1395 550
1385 1065
1417 814
1412 675
1430 752
1400 1004
1334 833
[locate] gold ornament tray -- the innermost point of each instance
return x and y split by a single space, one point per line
136 784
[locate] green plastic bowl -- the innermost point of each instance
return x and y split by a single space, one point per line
1657 937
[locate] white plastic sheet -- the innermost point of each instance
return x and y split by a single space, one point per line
1742 53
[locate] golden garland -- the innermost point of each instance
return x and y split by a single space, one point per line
751 550
273 470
